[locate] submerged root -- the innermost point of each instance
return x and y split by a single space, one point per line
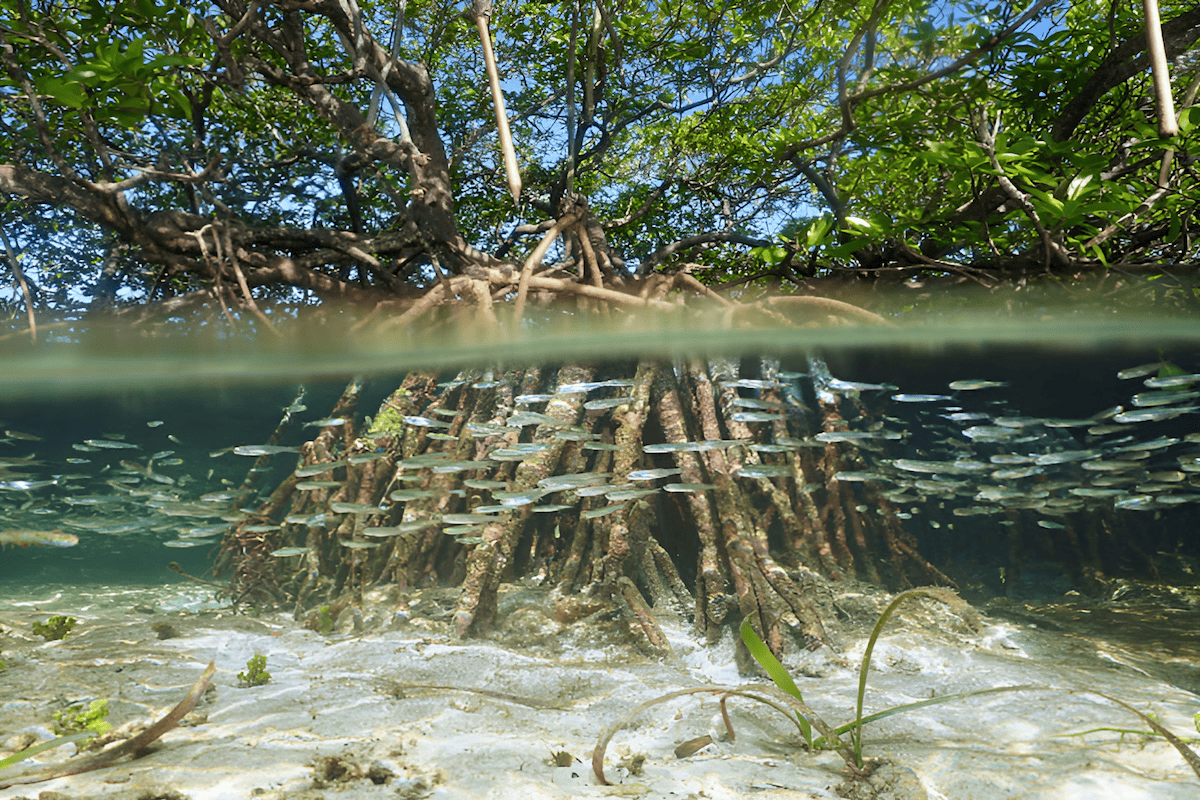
466 484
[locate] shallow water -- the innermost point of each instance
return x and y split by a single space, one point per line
343 694
555 686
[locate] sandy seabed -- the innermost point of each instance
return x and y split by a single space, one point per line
348 715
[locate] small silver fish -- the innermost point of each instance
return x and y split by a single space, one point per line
1153 414
846 475
1066 456
1140 371
835 385
854 436
424 422
466 519
607 403
328 422
690 487
26 486
286 552
263 449
604 511
1171 381
24 538
973 384
355 508
651 474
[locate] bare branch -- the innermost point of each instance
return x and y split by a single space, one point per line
535 260
1159 193
645 207
845 102
964 61
511 169
987 138
698 240
289 272
44 188
19 275
570 287
249 17
18 76
1167 126
146 174
1126 60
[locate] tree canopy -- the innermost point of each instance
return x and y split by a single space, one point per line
159 154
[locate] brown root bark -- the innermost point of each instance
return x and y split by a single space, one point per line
568 507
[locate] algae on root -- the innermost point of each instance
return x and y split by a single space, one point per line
55 628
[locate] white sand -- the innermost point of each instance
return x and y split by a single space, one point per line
336 720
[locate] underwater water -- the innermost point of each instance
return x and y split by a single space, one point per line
109 475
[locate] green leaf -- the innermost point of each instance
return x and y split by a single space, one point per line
1081 186
174 103
173 60
1189 120
817 232
64 90
769 255
30 752
763 655
1047 199
846 249
151 9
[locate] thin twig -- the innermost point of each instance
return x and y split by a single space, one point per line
214 265
19 275
535 260
241 279
987 138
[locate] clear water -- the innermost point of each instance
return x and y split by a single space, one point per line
200 396
177 406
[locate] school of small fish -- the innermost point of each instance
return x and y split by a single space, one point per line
110 488
969 454
964 453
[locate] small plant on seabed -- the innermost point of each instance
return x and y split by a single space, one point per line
324 620
806 720
77 719
129 747
55 628
256 671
